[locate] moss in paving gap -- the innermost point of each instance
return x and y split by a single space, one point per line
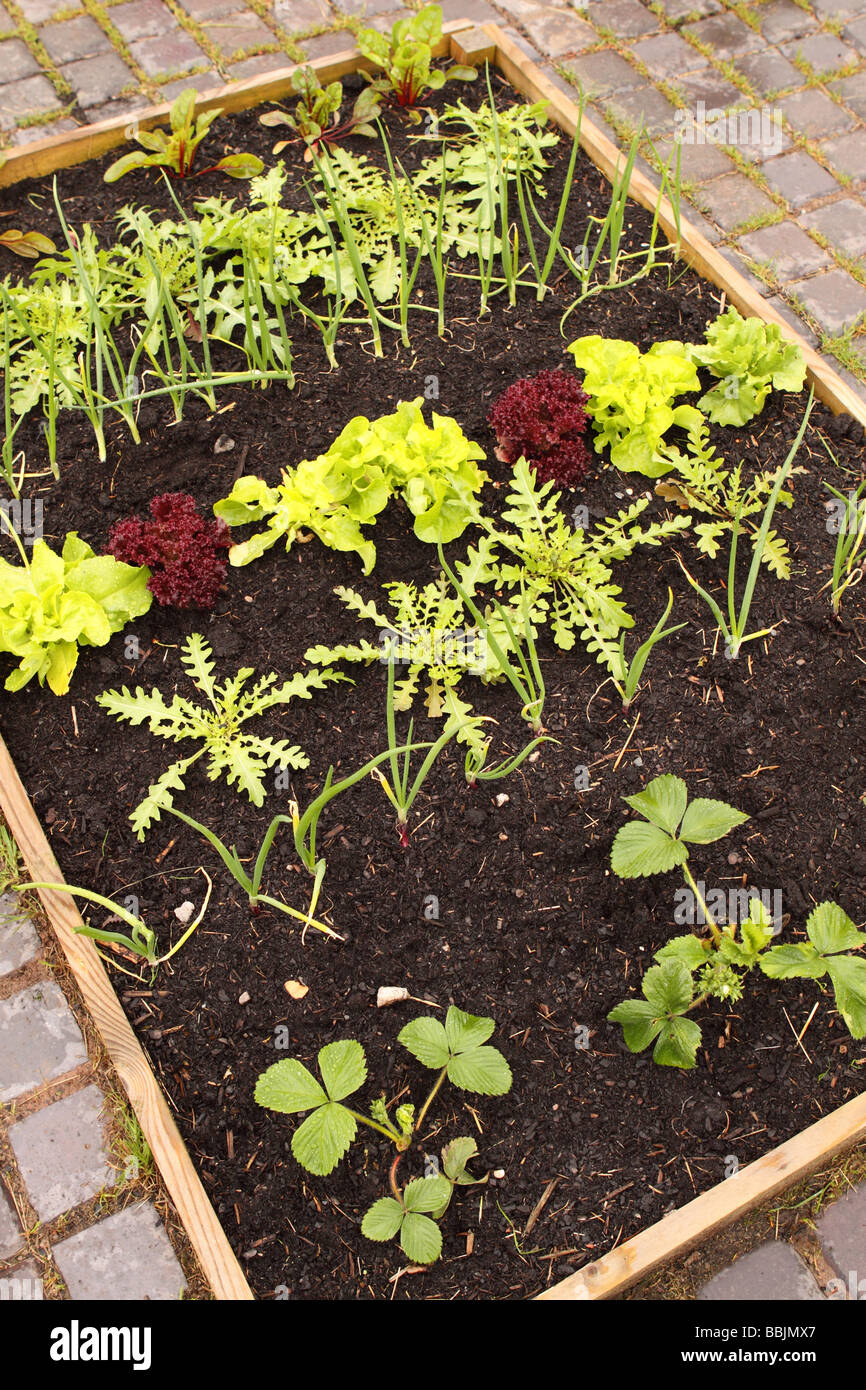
746 13
754 174
194 29
45 117
843 349
764 270
854 267
97 11
754 224
28 33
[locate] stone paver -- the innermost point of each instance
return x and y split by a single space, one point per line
327 44
233 33
823 52
16 61
734 200
625 18
60 1153
768 72
39 1039
668 55
11 1235
843 223
698 161
96 80
201 10
813 113
19 939
852 90
602 73
772 1273
856 32
28 97
786 248
706 92
799 178
784 20
557 33
74 38
847 153
141 19
833 299
168 53
128 1256
678 10
642 106
842 1232
726 35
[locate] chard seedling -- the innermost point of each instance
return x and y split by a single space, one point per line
691 968
459 1052
316 121
406 54
176 151
849 557
29 245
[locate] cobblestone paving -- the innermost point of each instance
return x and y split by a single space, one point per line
75 1219
767 101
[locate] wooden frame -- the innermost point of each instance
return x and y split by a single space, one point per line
722 1204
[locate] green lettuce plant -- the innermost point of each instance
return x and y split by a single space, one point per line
405 56
51 605
749 357
432 467
693 968
176 150
459 1052
242 758
316 120
631 396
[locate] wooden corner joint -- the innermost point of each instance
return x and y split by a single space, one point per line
472 46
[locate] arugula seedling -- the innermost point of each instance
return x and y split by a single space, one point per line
241 757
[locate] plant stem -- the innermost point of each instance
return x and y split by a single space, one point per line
426 1106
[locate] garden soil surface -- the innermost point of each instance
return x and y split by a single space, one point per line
592 1144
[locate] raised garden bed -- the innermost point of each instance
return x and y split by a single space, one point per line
508 910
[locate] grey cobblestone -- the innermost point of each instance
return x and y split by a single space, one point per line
258 66
61 1153
19 939
327 44
787 249
128 1256
799 178
842 1232
823 52
24 1282
852 90
16 61
768 71
697 161
600 74
140 19
813 113
772 1273
97 80
709 87
843 223
233 33
74 38
784 20
626 18
726 35
39 1039
733 200
11 1235
678 10
856 33
167 53
783 308
642 105
847 153
834 299
557 33
668 55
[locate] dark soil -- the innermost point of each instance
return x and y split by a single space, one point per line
532 928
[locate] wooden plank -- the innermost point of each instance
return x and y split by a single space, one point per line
682 1229
693 248
44 157
215 1255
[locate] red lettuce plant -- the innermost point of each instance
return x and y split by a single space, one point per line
180 547
542 419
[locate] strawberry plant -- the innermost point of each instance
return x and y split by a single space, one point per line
691 968
458 1051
